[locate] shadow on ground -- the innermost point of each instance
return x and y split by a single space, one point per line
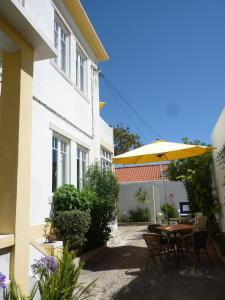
123 257
121 276
176 284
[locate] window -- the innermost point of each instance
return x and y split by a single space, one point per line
61 42
22 2
106 159
60 162
82 162
80 70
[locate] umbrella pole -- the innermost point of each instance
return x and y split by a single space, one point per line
164 189
154 204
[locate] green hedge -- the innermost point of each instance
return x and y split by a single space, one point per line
68 198
72 226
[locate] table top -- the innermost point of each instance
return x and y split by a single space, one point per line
176 228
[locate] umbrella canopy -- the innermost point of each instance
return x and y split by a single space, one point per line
160 151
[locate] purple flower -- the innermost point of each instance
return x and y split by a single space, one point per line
2 280
46 265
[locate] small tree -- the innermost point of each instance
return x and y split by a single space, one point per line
124 140
104 207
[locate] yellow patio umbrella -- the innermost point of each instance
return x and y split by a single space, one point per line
159 151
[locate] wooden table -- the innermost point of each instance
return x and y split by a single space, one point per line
174 229
177 228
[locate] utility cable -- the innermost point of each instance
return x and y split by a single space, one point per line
157 134
126 113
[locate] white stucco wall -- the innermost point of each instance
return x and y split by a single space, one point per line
60 107
155 191
218 140
106 135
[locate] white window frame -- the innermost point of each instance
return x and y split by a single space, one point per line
81 177
106 158
22 2
59 180
61 32
80 56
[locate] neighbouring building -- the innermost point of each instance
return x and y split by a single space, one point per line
218 141
50 124
150 179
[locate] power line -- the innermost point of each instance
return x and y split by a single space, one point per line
158 135
127 114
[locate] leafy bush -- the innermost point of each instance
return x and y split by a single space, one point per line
72 227
169 211
67 197
104 207
139 215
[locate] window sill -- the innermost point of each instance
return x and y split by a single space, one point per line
6 240
61 72
81 93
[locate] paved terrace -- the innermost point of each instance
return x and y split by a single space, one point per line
120 272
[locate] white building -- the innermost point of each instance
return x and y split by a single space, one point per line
67 133
218 141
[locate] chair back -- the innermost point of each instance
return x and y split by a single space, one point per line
153 242
199 239
201 223
154 228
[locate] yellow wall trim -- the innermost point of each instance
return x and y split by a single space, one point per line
82 21
6 240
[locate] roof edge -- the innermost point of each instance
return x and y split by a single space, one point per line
81 19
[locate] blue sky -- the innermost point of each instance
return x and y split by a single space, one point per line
167 58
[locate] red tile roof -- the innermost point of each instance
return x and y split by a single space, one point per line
139 173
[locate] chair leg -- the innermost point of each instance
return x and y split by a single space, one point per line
162 263
209 258
146 267
195 262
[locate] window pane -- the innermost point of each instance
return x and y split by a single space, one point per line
56 37
77 69
78 173
81 74
54 165
63 51
63 163
83 172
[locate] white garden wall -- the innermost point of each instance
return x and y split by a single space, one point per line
155 191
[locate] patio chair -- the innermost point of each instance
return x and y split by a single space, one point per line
197 246
155 249
153 228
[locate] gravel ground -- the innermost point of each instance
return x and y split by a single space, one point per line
120 274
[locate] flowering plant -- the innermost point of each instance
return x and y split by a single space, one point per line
2 280
45 266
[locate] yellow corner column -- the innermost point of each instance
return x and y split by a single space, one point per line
15 156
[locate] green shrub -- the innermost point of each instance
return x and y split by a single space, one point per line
169 211
104 207
72 226
139 215
67 197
